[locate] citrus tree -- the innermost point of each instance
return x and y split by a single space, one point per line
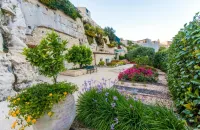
79 55
48 56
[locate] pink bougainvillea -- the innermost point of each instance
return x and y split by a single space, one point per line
129 73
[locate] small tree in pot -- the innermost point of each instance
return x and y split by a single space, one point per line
34 103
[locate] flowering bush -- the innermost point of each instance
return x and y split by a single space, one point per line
34 102
139 73
107 109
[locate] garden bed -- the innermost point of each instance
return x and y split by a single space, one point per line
148 93
139 74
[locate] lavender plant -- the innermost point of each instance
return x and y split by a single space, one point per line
102 107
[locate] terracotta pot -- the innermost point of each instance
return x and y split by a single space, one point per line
64 114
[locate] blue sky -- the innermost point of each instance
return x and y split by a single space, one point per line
139 19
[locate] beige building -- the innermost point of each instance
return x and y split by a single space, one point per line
166 44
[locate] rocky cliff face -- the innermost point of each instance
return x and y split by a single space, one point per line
15 72
22 23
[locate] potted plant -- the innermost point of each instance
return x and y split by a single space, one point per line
45 106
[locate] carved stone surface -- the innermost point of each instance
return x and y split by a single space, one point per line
64 115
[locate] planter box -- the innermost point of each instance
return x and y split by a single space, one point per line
64 115
74 73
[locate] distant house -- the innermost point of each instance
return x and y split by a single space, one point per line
166 44
149 43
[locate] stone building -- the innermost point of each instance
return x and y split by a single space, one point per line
149 43
166 44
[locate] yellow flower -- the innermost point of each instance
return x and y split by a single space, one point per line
50 94
27 103
65 93
17 111
18 99
14 101
28 119
14 114
8 98
34 121
188 106
14 125
50 114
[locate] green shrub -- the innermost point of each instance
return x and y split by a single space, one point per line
79 55
101 63
140 52
122 57
64 5
161 60
105 109
34 102
143 60
132 47
48 56
90 39
162 48
184 71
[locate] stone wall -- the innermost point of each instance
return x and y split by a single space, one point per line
38 15
103 56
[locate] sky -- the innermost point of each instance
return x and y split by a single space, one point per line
140 19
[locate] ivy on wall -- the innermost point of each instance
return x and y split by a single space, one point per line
64 5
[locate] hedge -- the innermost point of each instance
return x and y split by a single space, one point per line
160 60
184 71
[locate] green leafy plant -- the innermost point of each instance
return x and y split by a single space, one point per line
140 52
79 55
183 71
110 32
143 60
64 5
101 63
48 56
122 57
34 102
90 39
162 48
132 47
161 60
109 109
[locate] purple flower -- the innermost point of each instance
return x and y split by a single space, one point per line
112 127
116 120
107 93
113 104
115 98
